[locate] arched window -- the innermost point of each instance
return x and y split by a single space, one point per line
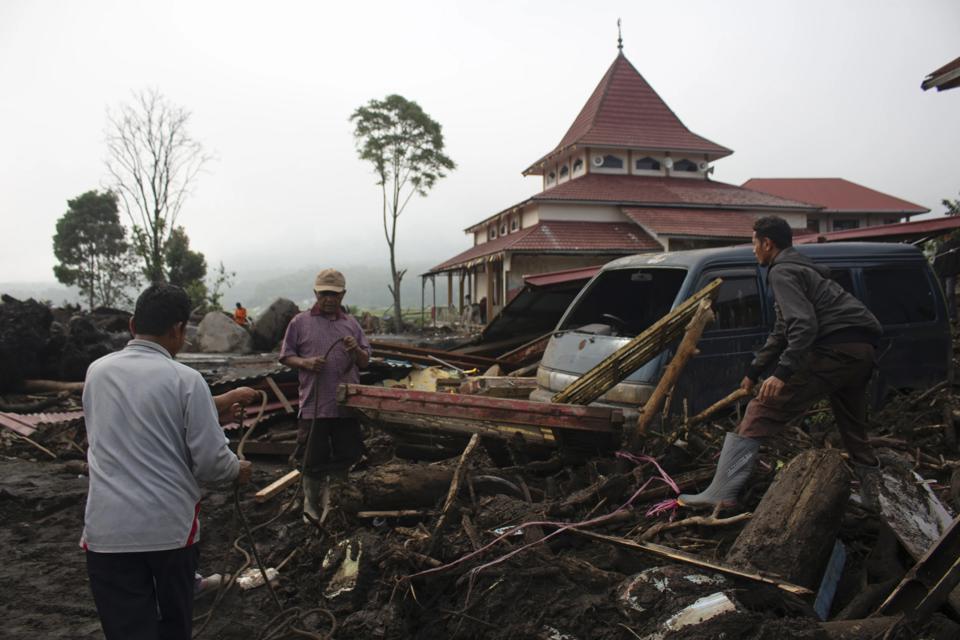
564 171
612 162
578 165
648 164
503 228
492 233
551 177
514 223
684 165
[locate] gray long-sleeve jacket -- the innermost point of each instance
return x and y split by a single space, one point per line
154 435
811 309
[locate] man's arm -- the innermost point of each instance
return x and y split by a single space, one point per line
800 322
211 458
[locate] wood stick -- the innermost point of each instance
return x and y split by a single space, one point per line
694 521
726 401
276 486
51 385
277 392
452 493
688 347
397 513
689 558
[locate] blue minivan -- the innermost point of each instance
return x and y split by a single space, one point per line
629 294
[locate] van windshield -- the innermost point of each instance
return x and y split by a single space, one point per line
625 302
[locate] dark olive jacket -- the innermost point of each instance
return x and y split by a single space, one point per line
811 309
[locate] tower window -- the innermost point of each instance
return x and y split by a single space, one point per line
684 165
648 164
612 162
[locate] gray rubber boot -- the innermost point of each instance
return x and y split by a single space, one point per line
312 488
736 462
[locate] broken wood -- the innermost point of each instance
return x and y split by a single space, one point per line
687 349
396 486
276 486
452 493
858 629
51 385
499 387
694 521
726 401
928 584
796 523
395 513
689 558
34 407
529 370
287 407
624 361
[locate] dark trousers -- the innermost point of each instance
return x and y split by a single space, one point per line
840 372
335 445
146 595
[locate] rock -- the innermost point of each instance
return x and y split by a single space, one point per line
218 333
269 328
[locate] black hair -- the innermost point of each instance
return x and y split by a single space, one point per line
159 308
239 305
776 229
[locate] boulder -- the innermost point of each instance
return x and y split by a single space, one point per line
269 328
218 333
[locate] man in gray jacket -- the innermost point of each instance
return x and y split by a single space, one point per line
153 436
822 345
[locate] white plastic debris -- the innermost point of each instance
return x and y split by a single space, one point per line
703 609
252 578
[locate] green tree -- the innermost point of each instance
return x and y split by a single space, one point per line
153 161
92 248
953 206
405 147
185 268
222 279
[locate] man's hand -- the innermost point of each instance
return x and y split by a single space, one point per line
245 472
770 388
350 343
313 364
230 403
747 384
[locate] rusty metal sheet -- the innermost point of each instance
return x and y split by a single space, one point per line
25 424
466 407
15 422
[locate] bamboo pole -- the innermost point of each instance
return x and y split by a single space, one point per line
727 400
624 361
687 349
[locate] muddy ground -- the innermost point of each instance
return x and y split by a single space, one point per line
564 587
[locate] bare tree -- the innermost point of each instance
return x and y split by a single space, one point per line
153 162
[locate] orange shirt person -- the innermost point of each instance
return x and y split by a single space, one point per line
240 315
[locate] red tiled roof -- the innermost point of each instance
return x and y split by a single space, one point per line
625 111
887 232
835 195
946 77
561 236
653 191
693 222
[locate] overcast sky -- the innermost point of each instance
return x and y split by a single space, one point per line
796 88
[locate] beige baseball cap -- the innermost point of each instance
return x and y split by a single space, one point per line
330 280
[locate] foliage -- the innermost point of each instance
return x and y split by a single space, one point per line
222 279
186 268
953 206
153 162
405 147
92 248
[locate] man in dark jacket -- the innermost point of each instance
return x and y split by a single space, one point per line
822 345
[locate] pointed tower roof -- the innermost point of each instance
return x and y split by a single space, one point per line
625 112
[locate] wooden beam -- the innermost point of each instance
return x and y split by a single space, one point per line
276 486
277 392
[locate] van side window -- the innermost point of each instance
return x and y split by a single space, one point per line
738 304
843 277
898 295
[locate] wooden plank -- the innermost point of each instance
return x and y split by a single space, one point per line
689 558
261 447
440 424
280 396
276 486
499 387
527 352
450 356
624 361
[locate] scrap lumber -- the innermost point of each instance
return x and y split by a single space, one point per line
794 527
51 385
687 349
527 352
928 584
276 486
280 396
624 361
421 355
858 629
452 493
499 386
500 418
726 401
689 558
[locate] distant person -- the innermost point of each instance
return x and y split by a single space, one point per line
329 348
240 315
947 265
153 438
822 345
